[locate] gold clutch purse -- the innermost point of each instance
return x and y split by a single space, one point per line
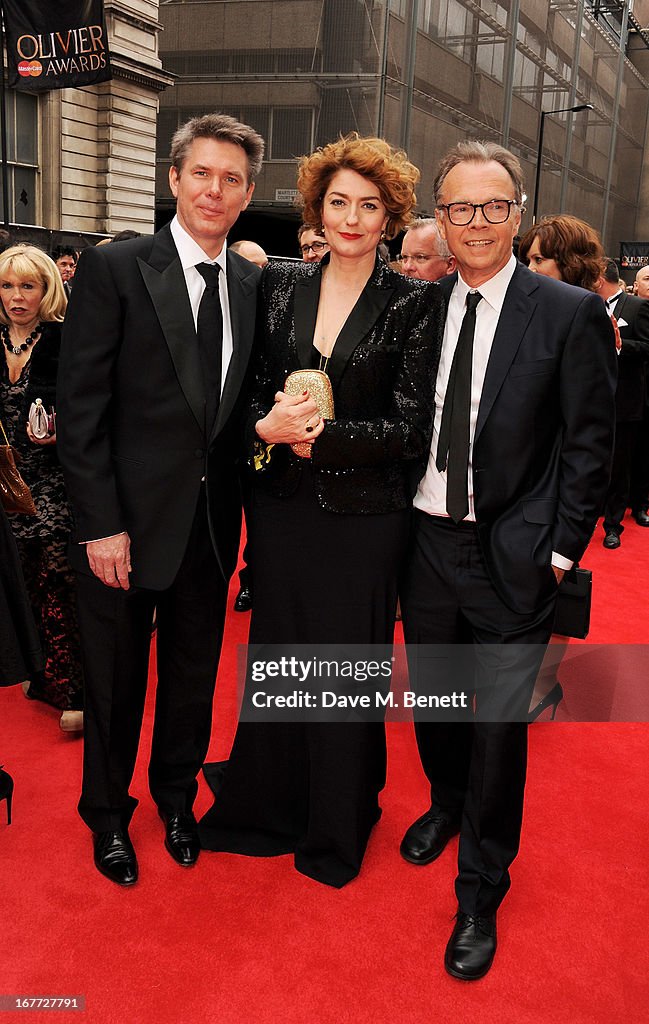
318 384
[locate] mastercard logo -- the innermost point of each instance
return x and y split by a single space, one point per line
30 68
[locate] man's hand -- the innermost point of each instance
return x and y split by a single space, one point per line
559 573
110 560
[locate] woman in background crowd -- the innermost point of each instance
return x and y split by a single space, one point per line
567 249
32 306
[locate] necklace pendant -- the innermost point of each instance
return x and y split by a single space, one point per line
16 351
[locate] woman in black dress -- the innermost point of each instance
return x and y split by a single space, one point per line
32 306
329 530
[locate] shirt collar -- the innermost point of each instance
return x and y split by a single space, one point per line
494 290
613 299
190 252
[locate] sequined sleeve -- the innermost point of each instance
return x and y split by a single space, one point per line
404 432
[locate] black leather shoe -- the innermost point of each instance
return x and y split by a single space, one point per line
181 838
641 518
427 837
611 540
471 947
115 857
243 600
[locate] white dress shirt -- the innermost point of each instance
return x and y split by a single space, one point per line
190 253
431 492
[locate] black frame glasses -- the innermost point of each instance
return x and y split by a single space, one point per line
315 247
490 211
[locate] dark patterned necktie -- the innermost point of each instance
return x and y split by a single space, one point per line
454 431
209 331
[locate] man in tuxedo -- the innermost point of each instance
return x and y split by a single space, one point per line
632 315
516 476
156 345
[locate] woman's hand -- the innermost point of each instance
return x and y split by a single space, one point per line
292 418
50 439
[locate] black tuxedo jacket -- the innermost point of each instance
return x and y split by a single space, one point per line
370 457
632 360
131 407
544 433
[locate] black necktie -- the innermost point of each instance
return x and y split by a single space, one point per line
454 431
209 331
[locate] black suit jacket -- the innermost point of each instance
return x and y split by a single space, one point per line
383 369
632 360
131 407
544 433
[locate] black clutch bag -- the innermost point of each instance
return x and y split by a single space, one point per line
572 615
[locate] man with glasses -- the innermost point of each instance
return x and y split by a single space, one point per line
517 473
312 245
424 253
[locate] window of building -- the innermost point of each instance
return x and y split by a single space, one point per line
287 131
22 156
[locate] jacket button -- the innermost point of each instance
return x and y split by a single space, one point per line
199 453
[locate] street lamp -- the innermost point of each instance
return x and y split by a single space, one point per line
539 155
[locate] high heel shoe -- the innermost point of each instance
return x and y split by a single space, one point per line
552 699
6 791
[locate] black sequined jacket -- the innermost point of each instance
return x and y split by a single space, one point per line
383 368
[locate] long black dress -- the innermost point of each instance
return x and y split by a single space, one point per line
20 652
327 539
42 540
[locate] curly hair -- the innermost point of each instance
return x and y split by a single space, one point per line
28 262
387 168
573 244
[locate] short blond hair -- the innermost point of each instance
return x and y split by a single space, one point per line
29 262
387 168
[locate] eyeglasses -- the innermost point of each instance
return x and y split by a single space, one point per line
421 257
496 211
315 247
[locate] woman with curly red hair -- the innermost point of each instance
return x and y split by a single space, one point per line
331 507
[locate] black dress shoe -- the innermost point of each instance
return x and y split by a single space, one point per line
471 947
427 837
243 600
611 540
641 518
115 857
181 838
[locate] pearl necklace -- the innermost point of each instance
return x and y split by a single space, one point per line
29 340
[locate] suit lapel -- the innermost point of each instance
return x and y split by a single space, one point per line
242 297
164 279
369 307
515 315
305 312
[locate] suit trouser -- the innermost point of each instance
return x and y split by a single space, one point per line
476 768
639 490
617 497
116 638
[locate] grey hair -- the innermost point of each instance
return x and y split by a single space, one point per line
221 128
474 152
430 222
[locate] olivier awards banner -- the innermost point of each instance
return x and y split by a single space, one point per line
634 254
58 45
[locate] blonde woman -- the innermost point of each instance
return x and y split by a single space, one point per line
32 307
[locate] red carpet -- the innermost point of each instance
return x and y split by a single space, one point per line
235 940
